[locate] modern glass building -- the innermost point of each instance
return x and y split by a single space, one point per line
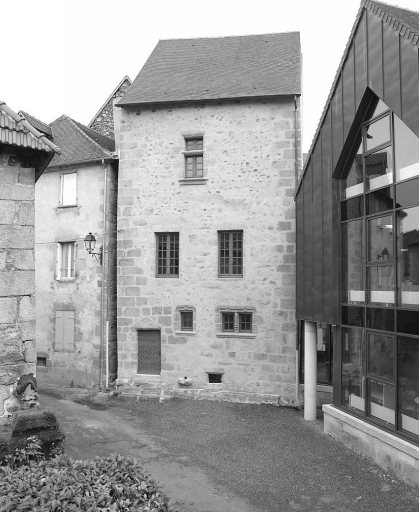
358 242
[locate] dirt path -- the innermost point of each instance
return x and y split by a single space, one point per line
92 429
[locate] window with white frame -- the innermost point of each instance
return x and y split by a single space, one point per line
236 322
66 257
68 195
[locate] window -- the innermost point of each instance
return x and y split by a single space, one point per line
167 254
66 252
186 321
68 196
194 157
236 322
230 250
64 330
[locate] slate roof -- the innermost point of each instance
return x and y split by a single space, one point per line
219 68
79 143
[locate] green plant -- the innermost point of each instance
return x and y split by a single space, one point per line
112 484
31 452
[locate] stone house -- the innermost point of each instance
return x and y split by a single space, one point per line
76 294
24 154
209 142
357 254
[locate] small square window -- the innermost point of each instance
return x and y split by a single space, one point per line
186 320
228 322
245 322
194 158
167 254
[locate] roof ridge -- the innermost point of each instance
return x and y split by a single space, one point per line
30 115
231 36
76 125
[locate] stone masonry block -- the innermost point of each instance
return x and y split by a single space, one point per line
165 320
21 282
25 213
8 310
7 211
176 340
26 309
30 351
17 237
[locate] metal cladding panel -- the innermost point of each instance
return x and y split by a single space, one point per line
149 352
317 254
361 68
299 203
409 85
337 121
348 78
391 70
327 234
308 242
375 54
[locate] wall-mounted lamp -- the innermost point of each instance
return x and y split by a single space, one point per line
89 243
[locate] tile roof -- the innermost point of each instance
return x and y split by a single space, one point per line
36 123
79 143
219 68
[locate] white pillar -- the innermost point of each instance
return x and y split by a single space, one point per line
310 371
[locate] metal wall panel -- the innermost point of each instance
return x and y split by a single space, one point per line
391 70
317 254
299 205
337 121
361 67
348 79
375 54
409 85
308 242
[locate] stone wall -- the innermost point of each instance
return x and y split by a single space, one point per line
249 166
17 283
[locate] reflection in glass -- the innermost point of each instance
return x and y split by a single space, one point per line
408 372
353 377
377 133
354 182
381 356
382 400
408 257
408 321
380 319
380 239
379 168
324 355
352 208
407 151
407 193
380 285
380 201
353 261
353 316
379 109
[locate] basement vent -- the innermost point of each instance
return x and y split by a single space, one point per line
215 378
41 361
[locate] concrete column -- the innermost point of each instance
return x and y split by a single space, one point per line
310 371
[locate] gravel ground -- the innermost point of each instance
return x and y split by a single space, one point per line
268 456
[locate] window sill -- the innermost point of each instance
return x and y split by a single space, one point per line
236 335
64 206
193 181
230 276
167 276
182 333
66 279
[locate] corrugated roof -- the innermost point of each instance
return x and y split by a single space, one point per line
403 21
36 123
79 143
219 68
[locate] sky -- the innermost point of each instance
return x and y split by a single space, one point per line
67 56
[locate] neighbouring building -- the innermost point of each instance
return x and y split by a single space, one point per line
357 242
76 293
209 142
24 154
103 122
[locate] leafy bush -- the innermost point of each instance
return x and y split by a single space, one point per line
30 452
62 484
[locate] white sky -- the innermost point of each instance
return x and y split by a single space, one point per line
66 56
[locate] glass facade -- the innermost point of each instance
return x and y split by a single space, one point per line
379 344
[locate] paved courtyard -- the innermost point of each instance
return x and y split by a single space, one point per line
224 457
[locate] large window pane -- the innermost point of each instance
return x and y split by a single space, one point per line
382 400
380 239
381 356
408 257
380 285
353 377
408 380
379 168
407 150
380 201
352 208
380 319
353 316
407 193
353 261
354 182
408 322
377 133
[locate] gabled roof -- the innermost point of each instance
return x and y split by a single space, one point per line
119 90
36 123
219 68
402 21
79 143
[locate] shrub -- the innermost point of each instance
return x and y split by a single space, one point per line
62 484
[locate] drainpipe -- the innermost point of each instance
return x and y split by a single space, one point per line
103 316
310 371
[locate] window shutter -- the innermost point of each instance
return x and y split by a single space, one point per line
59 330
68 189
68 330
59 257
